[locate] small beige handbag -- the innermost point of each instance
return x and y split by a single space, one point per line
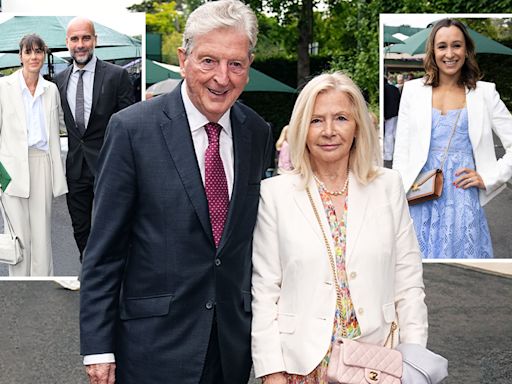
429 185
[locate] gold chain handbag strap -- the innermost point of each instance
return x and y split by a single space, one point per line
333 269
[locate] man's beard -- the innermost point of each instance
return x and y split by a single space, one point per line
85 60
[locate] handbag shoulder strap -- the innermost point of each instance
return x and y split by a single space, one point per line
9 225
335 275
445 154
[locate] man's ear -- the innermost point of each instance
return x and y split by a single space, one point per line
182 56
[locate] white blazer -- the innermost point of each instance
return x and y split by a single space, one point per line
486 113
294 297
14 136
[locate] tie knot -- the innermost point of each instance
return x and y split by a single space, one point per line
81 72
213 131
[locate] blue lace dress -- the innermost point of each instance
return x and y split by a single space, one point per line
453 226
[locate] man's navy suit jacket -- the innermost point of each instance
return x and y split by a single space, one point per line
152 276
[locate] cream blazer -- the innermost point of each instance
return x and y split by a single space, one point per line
486 113
294 296
14 136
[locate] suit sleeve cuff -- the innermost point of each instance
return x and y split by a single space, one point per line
101 358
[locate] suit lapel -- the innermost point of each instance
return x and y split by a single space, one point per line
356 214
178 139
242 139
99 74
63 90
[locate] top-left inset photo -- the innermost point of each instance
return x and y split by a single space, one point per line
61 79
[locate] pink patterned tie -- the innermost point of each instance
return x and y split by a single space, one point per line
215 184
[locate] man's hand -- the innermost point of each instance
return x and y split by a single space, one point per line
101 373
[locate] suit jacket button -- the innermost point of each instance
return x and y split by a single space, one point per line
360 311
209 305
353 275
217 262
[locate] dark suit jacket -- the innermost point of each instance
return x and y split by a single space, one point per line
112 91
151 271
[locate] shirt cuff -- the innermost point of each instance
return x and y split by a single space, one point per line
101 358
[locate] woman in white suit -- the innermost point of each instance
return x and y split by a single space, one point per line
30 120
364 215
446 120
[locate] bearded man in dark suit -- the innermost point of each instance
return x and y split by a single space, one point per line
91 91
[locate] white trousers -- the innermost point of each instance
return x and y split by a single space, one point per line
31 218
389 137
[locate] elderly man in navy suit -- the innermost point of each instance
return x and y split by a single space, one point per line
91 90
165 294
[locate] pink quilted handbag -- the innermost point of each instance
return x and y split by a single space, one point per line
353 362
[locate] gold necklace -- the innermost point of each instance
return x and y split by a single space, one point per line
332 193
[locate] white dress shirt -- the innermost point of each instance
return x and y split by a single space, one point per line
88 79
196 121
34 115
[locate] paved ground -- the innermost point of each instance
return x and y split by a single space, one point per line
470 316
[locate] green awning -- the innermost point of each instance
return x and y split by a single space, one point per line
416 44
52 30
258 81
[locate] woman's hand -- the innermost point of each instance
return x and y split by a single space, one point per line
274 378
468 178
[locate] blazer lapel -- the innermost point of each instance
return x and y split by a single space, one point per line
242 139
178 138
19 107
356 214
475 108
425 117
304 204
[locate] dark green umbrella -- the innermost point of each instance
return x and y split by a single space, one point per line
416 44
52 30
258 81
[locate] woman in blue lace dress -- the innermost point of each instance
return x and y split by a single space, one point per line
446 120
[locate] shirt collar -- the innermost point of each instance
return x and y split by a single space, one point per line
196 119
39 87
89 67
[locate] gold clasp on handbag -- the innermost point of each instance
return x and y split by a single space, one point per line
373 376
415 187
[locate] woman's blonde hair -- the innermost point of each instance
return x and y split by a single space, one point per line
364 154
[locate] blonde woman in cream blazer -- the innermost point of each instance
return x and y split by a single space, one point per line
36 174
295 314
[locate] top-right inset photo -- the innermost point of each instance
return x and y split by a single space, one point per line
446 102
